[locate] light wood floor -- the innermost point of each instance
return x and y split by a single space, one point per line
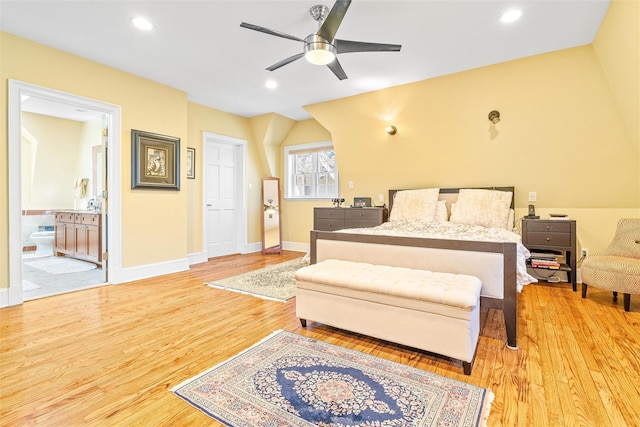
108 356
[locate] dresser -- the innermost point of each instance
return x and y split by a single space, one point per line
554 235
331 219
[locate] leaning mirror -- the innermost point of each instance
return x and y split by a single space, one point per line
271 229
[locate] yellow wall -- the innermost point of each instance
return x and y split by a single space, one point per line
204 119
562 135
297 216
568 131
50 156
147 237
617 47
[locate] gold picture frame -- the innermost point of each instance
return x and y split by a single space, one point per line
191 163
155 161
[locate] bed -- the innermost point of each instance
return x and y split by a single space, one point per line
421 235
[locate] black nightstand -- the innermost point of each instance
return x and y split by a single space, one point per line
555 235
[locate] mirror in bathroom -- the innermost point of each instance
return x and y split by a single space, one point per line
271 224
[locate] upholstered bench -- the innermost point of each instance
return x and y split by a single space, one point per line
431 311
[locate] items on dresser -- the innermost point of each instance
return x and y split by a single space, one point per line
551 240
331 219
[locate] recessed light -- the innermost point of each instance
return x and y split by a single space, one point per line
142 23
511 16
271 84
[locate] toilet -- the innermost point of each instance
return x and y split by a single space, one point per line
44 242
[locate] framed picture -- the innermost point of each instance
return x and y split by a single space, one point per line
191 163
155 161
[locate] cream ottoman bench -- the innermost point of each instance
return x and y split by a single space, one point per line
430 311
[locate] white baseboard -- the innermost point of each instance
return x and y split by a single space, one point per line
11 296
250 248
200 257
196 258
150 270
296 246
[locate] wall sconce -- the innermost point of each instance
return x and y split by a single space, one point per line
391 130
494 117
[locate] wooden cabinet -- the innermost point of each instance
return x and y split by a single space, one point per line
331 219
79 235
554 235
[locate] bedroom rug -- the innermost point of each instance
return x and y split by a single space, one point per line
291 380
275 282
60 265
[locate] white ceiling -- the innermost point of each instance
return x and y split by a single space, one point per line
200 48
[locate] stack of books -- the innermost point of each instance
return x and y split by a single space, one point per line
544 260
558 216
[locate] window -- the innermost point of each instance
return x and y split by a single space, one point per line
310 171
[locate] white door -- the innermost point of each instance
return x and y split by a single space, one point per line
224 217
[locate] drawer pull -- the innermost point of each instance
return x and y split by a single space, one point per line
548 227
548 238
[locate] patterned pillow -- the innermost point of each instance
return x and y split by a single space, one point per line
488 208
415 204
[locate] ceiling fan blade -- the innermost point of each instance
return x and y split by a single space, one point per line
285 62
348 46
337 69
271 32
331 23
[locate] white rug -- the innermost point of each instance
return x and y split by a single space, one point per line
29 286
60 265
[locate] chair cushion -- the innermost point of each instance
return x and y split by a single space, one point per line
614 273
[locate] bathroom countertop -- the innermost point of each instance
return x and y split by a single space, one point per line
77 211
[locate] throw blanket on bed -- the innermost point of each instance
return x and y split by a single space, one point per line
454 231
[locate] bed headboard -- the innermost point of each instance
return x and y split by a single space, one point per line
451 194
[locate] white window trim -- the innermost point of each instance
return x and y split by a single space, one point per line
287 176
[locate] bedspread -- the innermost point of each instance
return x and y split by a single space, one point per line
454 231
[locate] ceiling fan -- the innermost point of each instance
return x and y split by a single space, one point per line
321 47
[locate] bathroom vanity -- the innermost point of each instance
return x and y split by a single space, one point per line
78 234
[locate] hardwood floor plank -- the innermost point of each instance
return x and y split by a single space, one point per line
109 356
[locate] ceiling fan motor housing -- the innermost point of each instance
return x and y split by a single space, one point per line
318 51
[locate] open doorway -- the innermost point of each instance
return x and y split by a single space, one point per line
62 184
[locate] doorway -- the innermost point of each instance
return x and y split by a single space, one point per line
20 94
224 216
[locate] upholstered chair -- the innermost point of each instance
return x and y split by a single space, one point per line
617 268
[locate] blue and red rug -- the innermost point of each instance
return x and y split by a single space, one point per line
292 380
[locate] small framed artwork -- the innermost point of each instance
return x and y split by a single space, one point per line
155 161
362 202
191 163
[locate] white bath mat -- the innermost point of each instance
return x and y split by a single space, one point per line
29 286
60 265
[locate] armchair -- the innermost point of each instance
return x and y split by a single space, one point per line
617 268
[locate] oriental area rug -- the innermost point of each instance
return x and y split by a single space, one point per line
276 282
291 380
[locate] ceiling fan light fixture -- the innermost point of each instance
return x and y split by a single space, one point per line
317 51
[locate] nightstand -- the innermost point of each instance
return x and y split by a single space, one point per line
555 235
331 219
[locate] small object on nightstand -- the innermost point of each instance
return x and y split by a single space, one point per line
532 213
558 216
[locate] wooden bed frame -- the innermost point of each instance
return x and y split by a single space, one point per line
422 248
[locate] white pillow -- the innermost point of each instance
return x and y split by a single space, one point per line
441 214
488 208
415 204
